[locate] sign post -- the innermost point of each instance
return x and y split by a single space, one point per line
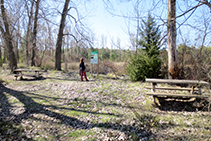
94 60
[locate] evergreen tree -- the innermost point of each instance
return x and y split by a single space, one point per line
150 36
146 62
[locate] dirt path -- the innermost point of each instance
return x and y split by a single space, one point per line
60 107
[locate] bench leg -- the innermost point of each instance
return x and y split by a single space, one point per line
153 87
160 101
154 97
199 90
192 89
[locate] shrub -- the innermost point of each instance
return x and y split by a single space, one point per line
143 66
146 62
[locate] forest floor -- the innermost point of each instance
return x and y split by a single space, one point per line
61 107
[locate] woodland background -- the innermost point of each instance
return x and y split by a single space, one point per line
53 34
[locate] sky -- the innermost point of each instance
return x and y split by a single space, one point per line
110 26
113 27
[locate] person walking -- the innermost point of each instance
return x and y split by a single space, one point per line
82 69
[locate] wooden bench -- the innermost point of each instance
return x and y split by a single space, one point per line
173 88
194 91
19 73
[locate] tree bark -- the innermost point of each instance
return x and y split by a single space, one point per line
207 3
16 45
5 52
8 39
60 36
1 61
171 29
35 34
30 15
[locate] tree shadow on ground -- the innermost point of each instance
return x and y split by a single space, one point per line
32 107
183 105
32 79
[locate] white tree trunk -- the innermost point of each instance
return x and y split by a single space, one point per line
171 28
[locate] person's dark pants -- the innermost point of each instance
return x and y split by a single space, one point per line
83 73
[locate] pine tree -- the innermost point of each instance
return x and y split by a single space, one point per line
146 62
150 36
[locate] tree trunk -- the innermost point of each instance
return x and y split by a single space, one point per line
8 39
1 61
60 36
5 53
43 54
35 34
30 15
16 48
16 42
171 29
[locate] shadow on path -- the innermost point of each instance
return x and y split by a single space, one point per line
32 107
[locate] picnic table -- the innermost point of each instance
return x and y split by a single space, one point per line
25 72
194 90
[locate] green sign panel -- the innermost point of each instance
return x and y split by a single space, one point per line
94 57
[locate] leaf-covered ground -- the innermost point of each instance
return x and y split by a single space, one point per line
61 107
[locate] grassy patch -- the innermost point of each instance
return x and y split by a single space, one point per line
71 110
75 113
78 133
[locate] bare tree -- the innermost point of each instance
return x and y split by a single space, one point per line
171 31
5 29
136 7
28 32
60 36
35 34
80 34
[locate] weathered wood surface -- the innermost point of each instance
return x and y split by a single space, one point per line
171 88
196 86
27 70
176 95
177 81
19 72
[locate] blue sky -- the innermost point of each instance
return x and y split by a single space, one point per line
114 27
103 23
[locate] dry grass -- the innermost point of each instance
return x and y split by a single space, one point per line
61 107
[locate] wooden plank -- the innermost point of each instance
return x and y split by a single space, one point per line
172 88
176 81
16 75
176 95
32 75
27 70
29 75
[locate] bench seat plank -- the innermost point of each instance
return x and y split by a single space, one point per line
171 88
16 75
176 81
176 95
27 70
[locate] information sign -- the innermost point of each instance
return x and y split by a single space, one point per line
94 57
